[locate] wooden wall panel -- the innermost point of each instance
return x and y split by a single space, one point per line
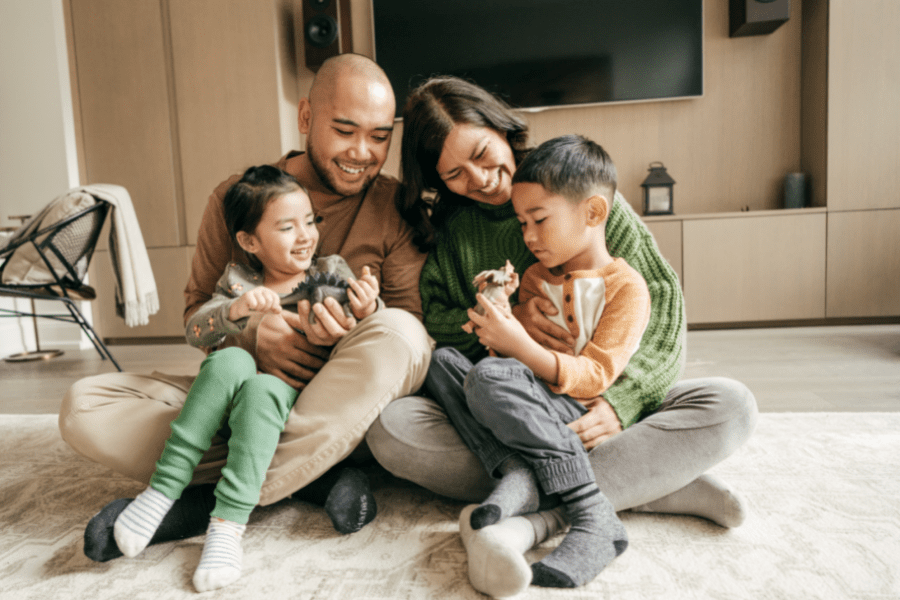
863 104
226 93
765 268
123 97
864 263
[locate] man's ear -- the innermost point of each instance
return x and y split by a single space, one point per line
304 115
247 242
597 210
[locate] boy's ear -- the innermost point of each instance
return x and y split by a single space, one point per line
247 242
304 115
597 210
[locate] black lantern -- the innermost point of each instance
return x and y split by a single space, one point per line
658 191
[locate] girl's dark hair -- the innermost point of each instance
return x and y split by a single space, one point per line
246 201
431 112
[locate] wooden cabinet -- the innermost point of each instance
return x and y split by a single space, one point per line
667 233
864 264
171 98
126 134
767 266
171 267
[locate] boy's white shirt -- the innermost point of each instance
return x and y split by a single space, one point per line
588 301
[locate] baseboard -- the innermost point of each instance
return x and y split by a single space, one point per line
796 323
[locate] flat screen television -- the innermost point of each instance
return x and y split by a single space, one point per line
545 53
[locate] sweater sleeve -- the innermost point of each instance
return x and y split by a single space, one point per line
209 325
659 362
614 341
445 301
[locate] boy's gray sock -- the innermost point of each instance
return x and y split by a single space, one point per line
595 538
516 494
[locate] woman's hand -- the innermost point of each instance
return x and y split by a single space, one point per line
363 294
597 425
533 317
331 322
259 299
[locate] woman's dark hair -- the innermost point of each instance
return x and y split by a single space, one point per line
430 113
246 201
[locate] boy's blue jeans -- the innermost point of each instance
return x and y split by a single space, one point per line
501 409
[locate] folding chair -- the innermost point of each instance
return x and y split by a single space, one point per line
66 248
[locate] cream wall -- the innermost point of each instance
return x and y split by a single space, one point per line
38 160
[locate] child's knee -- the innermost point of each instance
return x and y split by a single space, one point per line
232 360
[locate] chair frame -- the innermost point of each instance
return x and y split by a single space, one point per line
59 289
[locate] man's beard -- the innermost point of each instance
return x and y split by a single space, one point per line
327 180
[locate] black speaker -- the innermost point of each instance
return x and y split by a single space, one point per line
757 17
326 30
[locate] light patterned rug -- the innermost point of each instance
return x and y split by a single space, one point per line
823 489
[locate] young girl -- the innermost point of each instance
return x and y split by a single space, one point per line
270 216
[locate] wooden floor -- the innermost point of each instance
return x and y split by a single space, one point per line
814 369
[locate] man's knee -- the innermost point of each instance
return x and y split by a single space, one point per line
76 401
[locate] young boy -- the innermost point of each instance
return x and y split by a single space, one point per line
512 412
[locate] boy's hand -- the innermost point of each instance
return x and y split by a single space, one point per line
363 293
259 299
498 329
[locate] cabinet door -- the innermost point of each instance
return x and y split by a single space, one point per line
766 268
126 132
864 264
668 238
171 267
226 93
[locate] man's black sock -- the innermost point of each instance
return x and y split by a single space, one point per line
188 517
345 494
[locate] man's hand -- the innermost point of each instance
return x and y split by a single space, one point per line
597 425
363 293
533 317
331 322
286 354
259 299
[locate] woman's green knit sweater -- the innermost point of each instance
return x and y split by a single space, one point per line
478 237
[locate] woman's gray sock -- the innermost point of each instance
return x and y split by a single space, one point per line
595 538
517 493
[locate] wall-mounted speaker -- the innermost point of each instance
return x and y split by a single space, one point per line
326 30
757 17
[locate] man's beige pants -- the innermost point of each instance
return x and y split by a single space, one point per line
122 420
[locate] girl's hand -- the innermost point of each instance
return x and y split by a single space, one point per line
498 330
363 293
259 299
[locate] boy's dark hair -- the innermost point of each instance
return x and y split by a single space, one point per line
571 166
246 200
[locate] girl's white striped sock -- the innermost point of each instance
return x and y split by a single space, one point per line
220 563
135 526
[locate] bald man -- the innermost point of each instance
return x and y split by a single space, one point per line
122 420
